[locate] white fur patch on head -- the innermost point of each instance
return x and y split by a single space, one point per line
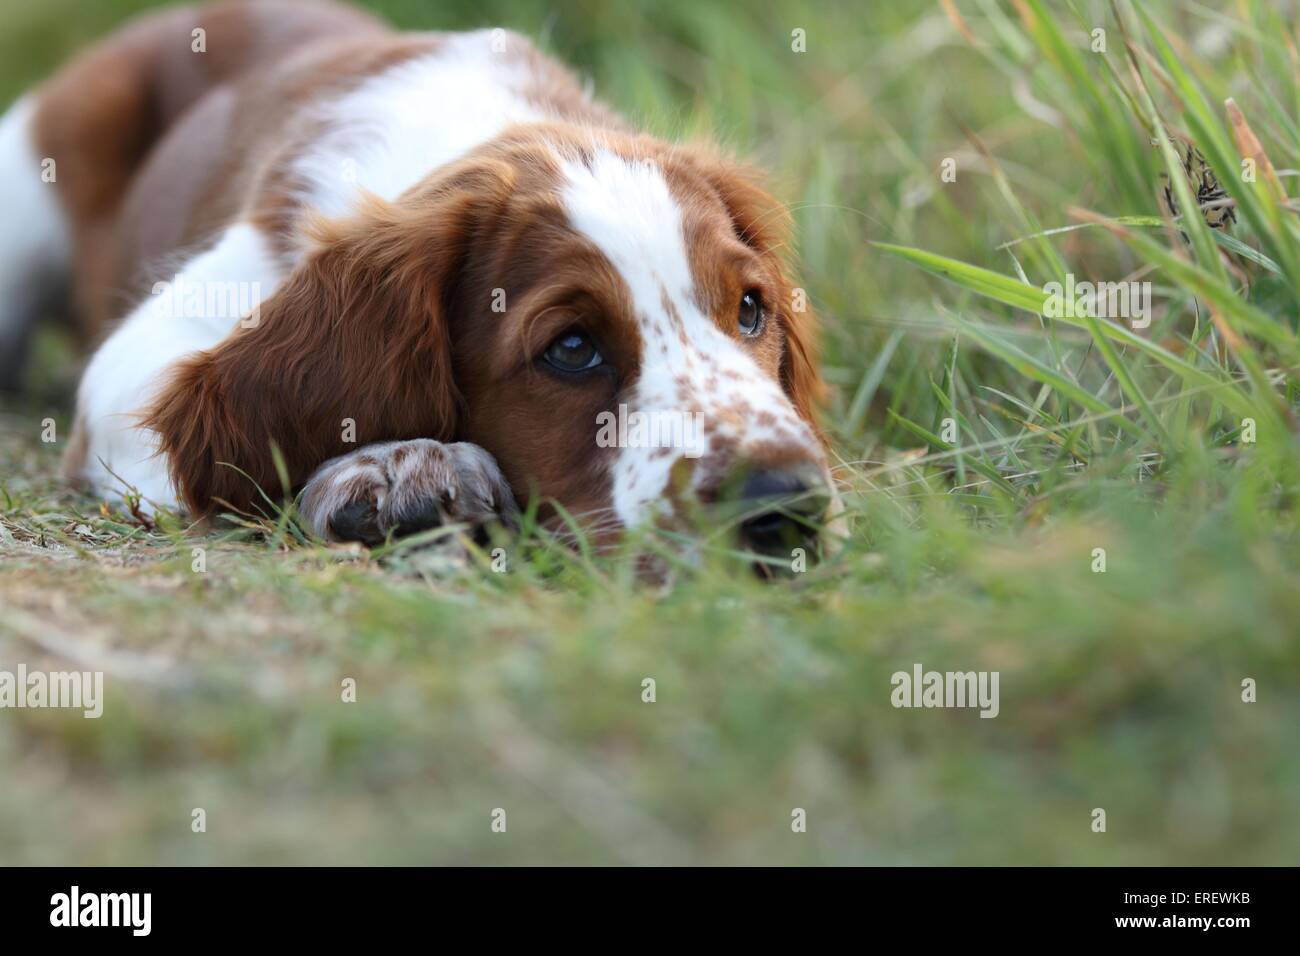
689 367
388 133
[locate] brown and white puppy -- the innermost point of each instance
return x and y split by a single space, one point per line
427 268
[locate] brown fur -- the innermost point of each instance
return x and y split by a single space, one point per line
359 332
103 117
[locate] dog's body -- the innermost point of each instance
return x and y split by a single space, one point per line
357 241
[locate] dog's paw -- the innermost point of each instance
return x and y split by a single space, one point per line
400 488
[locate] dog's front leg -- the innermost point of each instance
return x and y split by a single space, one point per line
401 487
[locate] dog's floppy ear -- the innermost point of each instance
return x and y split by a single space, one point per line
764 225
353 348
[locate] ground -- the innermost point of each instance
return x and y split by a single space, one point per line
1129 583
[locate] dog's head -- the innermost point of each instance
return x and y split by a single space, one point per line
609 316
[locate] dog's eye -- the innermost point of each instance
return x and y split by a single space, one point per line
572 352
750 319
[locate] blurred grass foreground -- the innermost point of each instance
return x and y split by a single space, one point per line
1099 508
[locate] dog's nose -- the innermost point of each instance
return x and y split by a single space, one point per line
783 508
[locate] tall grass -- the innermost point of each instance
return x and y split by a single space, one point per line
1212 382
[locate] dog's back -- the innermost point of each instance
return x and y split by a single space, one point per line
94 191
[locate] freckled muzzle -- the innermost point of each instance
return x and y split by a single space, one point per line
756 469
